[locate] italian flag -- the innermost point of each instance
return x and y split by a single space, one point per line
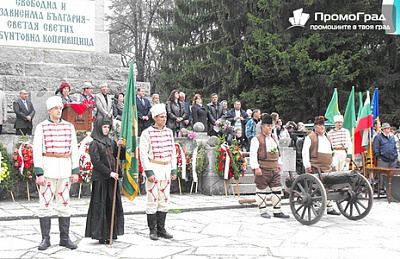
362 133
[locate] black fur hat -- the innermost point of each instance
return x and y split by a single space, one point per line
266 119
319 120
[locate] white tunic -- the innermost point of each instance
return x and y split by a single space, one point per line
158 145
55 138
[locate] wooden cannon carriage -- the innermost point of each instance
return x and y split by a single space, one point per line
309 194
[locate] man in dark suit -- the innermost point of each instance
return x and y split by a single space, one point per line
215 112
237 117
188 120
143 108
25 112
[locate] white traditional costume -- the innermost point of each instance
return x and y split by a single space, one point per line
158 157
56 157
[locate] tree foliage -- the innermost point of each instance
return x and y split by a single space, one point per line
243 50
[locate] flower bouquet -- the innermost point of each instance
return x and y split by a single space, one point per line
224 126
187 132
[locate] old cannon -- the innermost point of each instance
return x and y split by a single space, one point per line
309 194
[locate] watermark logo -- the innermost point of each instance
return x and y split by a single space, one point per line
385 21
389 9
299 18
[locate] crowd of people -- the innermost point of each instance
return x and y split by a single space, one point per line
57 167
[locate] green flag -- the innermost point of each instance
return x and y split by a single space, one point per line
349 120
333 107
129 130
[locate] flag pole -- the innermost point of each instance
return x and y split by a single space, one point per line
114 197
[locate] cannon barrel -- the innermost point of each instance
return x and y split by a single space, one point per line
338 177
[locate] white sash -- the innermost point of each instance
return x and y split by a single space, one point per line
194 162
225 148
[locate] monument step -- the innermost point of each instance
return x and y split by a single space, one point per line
247 188
247 179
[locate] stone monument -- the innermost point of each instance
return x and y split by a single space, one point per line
61 41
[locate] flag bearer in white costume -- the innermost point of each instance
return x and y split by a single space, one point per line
158 157
56 159
341 143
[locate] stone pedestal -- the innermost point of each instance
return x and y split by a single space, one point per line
211 183
288 156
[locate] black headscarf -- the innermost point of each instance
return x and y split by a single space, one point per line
97 132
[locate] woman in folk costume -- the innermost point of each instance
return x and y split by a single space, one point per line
158 156
63 92
103 154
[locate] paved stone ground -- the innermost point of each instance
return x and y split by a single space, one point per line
209 227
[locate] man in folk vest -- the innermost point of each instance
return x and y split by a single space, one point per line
266 164
341 143
317 153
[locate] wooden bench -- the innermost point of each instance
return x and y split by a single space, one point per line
389 172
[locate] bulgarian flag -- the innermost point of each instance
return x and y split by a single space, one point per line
362 133
375 111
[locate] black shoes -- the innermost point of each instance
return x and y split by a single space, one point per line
333 212
276 215
265 215
281 215
44 244
104 241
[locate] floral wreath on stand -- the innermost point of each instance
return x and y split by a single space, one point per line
85 165
8 179
23 160
183 163
230 162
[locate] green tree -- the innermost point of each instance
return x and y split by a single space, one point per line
243 49
205 47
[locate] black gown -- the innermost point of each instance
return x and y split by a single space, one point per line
98 222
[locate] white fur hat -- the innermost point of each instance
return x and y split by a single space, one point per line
54 101
338 118
157 109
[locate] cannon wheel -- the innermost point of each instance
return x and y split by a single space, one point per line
359 202
307 199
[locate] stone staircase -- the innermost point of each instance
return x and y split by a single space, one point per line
246 183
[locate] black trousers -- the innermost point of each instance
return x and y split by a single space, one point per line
27 131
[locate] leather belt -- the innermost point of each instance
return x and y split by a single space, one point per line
339 148
160 162
57 155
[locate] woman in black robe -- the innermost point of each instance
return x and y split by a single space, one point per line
103 155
